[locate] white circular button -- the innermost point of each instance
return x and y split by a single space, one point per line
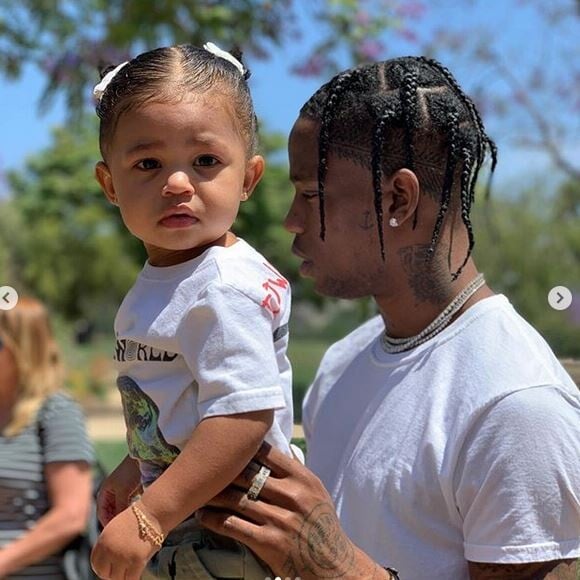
8 298
560 298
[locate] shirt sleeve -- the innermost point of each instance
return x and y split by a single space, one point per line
518 480
65 435
227 342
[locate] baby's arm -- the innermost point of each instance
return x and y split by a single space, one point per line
219 449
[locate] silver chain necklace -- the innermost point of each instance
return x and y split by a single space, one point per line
393 345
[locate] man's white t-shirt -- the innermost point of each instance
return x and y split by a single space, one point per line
202 338
464 448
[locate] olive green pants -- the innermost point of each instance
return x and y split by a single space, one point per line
194 553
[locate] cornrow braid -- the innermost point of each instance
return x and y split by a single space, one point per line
493 150
482 142
376 161
465 197
409 103
453 128
337 88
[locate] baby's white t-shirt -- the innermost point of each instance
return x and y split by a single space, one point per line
202 338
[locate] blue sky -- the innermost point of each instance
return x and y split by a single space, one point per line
278 94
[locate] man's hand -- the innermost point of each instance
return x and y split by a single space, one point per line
117 489
292 526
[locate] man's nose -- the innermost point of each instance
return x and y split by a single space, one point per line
293 221
178 183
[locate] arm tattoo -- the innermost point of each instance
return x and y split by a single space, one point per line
429 280
553 570
290 569
323 546
321 550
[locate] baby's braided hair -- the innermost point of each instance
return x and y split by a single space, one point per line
407 112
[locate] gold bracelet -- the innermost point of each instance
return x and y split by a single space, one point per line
147 530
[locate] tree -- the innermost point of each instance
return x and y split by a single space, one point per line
526 246
73 251
67 41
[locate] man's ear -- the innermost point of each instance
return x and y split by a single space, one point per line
403 191
105 179
254 171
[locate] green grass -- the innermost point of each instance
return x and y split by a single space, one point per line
111 452
305 355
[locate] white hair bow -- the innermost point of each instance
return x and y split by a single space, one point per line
214 49
100 87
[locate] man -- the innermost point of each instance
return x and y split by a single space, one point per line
445 430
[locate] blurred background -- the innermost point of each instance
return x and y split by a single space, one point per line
61 241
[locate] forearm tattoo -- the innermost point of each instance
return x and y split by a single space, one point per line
321 548
429 280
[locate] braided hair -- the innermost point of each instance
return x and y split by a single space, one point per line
408 112
169 74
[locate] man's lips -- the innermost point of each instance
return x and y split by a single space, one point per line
298 253
306 266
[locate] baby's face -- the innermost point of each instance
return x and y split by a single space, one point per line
178 172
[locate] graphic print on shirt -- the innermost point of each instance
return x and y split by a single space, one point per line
144 437
129 350
274 287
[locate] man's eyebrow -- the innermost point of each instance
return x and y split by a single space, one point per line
297 178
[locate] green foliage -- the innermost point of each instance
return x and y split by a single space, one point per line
11 232
74 251
526 246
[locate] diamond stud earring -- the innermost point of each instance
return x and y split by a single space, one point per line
393 222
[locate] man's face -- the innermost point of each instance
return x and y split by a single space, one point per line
348 263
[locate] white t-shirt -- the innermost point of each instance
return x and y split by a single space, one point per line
464 448
202 338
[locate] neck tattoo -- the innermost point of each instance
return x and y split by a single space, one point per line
393 345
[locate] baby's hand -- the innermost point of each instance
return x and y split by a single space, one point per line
120 552
117 489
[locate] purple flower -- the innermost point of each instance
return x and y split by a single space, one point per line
408 34
371 49
314 66
411 10
362 18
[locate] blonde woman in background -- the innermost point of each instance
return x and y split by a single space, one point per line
45 454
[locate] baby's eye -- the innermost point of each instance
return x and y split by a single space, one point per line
206 161
147 164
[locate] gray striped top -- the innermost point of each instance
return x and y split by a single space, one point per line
23 492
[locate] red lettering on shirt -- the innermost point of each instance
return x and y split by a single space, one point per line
273 299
